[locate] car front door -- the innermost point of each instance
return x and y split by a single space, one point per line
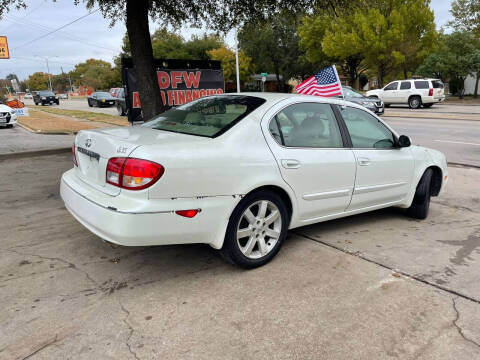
384 171
308 146
390 93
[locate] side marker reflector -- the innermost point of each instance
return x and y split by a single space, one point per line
187 213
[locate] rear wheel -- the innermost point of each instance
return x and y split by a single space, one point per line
421 201
415 102
256 230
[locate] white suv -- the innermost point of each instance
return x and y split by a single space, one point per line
415 93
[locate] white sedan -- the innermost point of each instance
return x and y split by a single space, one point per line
8 116
237 171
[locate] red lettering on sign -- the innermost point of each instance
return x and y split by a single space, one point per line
136 100
219 91
163 79
176 78
192 79
170 97
188 96
181 97
195 94
164 100
203 93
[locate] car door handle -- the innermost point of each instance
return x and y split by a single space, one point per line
290 163
362 161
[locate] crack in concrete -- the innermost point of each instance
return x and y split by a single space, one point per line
43 347
70 264
414 277
459 329
130 328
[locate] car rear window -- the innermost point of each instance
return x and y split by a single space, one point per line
421 85
437 84
209 116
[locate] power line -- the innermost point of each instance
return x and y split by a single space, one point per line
20 21
55 30
28 13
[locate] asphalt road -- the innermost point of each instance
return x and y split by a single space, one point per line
373 286
459 140
79 105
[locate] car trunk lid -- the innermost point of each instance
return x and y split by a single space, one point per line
95 147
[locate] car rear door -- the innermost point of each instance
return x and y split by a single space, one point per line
404 92
308 146
384 171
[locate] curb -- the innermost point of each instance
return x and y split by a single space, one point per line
411 116
453 164
39 132
25 154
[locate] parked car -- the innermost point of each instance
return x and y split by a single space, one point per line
63 96
373 104
236 171
101 99
45 97
121 104
114 91
8 116
28 96
415 93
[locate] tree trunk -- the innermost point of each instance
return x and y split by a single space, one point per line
475 94
380 76
142 56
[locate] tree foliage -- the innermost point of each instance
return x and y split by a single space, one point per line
38 81
273 45
95 73
227 57
466 15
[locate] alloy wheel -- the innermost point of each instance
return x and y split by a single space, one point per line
259 229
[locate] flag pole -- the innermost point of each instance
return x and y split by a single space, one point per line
341 87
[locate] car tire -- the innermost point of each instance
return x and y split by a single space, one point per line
256 248
421 200
415 102
89 103
428 105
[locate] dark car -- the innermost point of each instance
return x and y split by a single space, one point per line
375 105
45 97
121 104
101 99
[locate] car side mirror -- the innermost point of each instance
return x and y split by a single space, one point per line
404 141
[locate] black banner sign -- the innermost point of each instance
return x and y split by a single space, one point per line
180 82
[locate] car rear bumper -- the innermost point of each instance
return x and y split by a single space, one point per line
156 224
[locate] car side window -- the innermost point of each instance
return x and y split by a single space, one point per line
306 125
405 85
392 86
366 131
421 85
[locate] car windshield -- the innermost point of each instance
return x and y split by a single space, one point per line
103 95
209 116
46 93
352 93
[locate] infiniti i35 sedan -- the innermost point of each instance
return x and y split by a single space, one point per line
237 171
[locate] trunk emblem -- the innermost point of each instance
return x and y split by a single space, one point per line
88 142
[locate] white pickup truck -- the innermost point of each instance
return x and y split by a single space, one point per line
415 93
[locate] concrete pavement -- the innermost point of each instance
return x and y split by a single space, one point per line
78 105
335 291
17 139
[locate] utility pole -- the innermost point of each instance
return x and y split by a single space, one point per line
236 60
48 69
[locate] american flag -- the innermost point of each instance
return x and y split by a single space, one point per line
325 83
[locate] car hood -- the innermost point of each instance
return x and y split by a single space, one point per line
5 108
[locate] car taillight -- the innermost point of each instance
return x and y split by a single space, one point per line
187 213
430 92
133 174
74 153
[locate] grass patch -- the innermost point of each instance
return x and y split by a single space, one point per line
85 115
40 121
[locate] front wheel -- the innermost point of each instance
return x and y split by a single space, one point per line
256 230
421 200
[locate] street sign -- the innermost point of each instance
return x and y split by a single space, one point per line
4 52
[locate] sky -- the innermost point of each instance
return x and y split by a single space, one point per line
88 37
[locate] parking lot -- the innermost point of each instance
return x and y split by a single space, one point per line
378 285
